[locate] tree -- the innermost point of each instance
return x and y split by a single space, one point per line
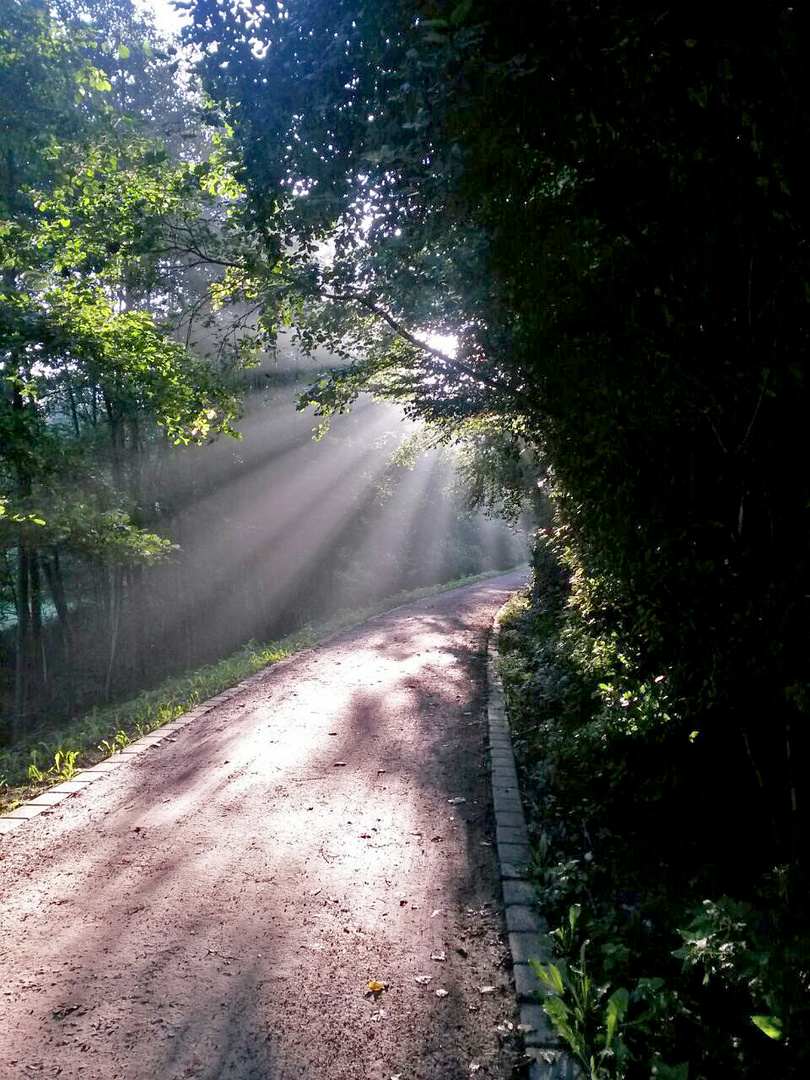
92 209
603 208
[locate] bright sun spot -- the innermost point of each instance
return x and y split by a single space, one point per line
445 343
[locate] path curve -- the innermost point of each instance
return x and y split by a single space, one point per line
215 907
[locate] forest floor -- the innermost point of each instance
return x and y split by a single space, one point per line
216 906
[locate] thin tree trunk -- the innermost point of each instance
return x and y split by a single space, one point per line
116 441
53 575
116 581
21 666
74 413
39 663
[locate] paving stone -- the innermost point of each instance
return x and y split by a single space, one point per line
542 1031
530 946
511 834
521 918
527 985
504 777
506 791
519 892
105 766
8 825
47 798
501 744
510 803
85 777
507 798
70 787
552 1065
511 819
517 854
26 812
513 871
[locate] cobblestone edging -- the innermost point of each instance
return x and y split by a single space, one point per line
527 931
44 803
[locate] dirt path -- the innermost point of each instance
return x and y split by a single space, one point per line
215 907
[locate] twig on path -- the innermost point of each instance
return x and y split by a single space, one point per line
328 858
303 779
213 952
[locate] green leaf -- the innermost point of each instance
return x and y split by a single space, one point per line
123 52
671 1072
770 1025
615 1011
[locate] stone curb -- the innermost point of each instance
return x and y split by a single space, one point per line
32 808
527 931
49 799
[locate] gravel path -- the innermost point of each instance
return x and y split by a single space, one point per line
216 906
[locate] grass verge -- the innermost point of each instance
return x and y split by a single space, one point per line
33 766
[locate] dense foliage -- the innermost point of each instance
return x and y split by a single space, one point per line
603 205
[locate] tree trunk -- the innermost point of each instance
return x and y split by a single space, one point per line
19 719
38 660
53 575
116 582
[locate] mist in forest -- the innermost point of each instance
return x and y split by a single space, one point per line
270 532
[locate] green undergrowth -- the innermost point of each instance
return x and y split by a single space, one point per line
47 759
672 961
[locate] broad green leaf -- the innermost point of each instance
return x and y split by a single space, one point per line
615 1011
770 1025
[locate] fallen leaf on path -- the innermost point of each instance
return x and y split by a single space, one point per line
338 763
375 986
381 771
433 914
436 839
438 956
455 802
487 989
423 980
442 993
